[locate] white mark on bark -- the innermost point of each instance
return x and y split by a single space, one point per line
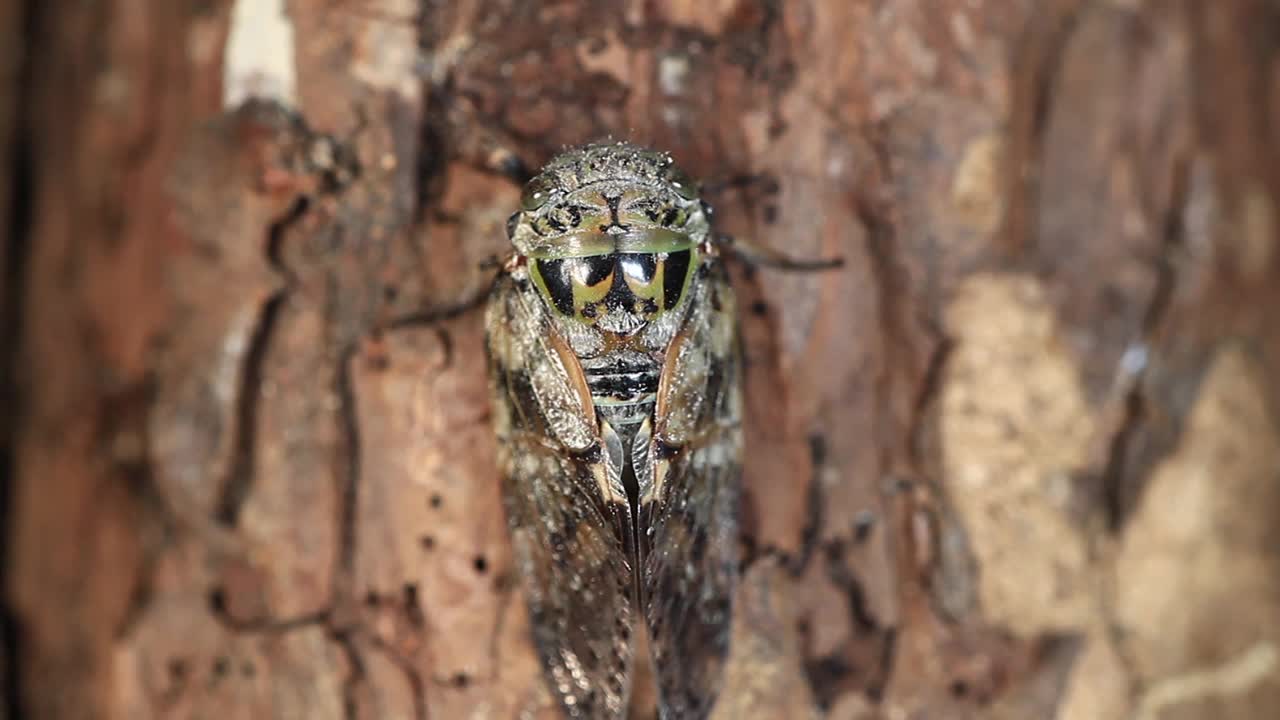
260 55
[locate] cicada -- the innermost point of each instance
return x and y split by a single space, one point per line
616 379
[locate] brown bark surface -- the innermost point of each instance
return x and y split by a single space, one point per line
1018 458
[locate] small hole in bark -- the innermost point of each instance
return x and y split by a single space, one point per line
749 552
863 523
818 449
412 609
218 601
427 542
481 564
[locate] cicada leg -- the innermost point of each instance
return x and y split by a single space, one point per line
762 256
757 185
469 301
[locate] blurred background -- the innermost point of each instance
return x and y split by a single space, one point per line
1018 458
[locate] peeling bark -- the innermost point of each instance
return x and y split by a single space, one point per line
1016 459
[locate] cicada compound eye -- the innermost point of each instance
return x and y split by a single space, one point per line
536 192
680 181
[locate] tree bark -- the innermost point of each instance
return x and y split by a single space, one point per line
1018 458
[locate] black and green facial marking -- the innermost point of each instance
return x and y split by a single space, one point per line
642 283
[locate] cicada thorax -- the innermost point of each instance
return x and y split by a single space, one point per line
613 251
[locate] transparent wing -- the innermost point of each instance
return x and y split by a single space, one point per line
689 504
560 482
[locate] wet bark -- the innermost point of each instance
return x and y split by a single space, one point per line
1016 459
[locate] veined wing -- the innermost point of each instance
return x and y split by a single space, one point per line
565 505
689 503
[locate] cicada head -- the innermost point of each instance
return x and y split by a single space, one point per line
611 234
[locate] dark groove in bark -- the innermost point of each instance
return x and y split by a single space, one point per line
930 385
843 577
1113 474
350 703
812 529
897 357
431 162
142 592
239 481
838 672
349 484
343 625
412 676
894 356
1119 490
1033 89
441 313
888 653
262 626
22 180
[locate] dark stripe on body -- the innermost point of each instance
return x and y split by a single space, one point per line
675 272
558 285
623 383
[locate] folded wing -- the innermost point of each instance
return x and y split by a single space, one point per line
561 484
687 515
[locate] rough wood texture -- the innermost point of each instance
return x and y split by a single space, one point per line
1018 459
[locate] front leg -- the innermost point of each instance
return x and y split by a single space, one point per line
759 255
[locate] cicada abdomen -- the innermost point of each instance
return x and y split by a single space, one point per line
616 381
